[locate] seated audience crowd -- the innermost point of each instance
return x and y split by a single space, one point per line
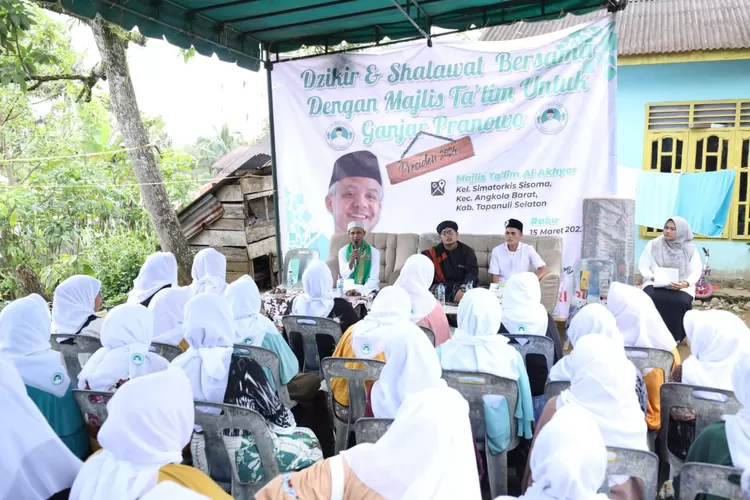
151 443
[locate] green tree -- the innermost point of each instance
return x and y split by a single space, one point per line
207 150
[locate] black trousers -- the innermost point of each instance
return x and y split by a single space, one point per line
672 306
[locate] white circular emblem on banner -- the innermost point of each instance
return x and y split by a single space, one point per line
551 118
339 136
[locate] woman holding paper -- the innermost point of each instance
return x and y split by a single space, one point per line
670 267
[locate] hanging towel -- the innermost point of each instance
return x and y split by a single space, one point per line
703 200
656 197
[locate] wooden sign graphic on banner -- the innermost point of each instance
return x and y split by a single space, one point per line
430 160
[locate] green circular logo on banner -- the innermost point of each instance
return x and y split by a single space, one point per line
57 378
366 349
137 359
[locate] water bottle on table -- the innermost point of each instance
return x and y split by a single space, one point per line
340 286
290 278
441 294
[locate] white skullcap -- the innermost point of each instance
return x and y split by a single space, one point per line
354 224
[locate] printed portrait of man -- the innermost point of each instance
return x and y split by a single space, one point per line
355 193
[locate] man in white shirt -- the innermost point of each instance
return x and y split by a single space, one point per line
359 260
513 257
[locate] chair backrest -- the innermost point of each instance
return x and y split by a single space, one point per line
640 464
552 389
309 327
707 411
166 351
267 359
473 386
304 256
70 346
369 430
356 372
237 417
93 404
718 480
430 334
644 358
534 344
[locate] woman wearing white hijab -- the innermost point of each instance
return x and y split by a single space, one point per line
603 384
34 463
74 306
149 422
569 459
209 272
216 376
524 314
595 319
672 250
641 326
320 301
253 328
24 341
726 442
159 271
416 279
168 307
427 453
718 339
126 337
388 315
476 347
412 366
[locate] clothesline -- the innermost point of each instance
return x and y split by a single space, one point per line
78 155
132 184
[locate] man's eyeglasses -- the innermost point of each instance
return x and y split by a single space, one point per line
448 232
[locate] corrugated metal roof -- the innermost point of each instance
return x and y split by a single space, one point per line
657 26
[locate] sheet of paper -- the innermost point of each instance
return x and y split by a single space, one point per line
663 276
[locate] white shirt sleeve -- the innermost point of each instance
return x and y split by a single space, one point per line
646 264
495 261
344 270
535 259
695 268
373 282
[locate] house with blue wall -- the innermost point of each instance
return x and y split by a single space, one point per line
683 101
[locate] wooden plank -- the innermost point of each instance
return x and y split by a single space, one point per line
233 254
228 224
233 211
262 247
234 276
219 238
257 210
260 231
232 192
238 267
254 183
259 194
430 160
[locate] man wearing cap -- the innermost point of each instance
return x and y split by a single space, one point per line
355 192
359 260
513 257
455 262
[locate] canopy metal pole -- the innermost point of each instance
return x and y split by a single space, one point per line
274 176
426 36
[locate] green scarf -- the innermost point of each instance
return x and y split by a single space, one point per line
361 272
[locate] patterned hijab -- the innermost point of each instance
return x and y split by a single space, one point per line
675 254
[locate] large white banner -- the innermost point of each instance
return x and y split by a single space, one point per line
476 132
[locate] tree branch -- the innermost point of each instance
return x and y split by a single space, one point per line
89 81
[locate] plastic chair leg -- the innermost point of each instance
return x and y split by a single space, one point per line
497 473
339 429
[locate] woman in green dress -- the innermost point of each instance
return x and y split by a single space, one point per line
24 340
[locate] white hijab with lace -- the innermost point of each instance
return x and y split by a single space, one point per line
168 307
317 301
209 272
416 278
593 319
24 340
159 270
73 303
251 326
388 315
523 312
209 329
126 336
637 318
476 345
150 421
